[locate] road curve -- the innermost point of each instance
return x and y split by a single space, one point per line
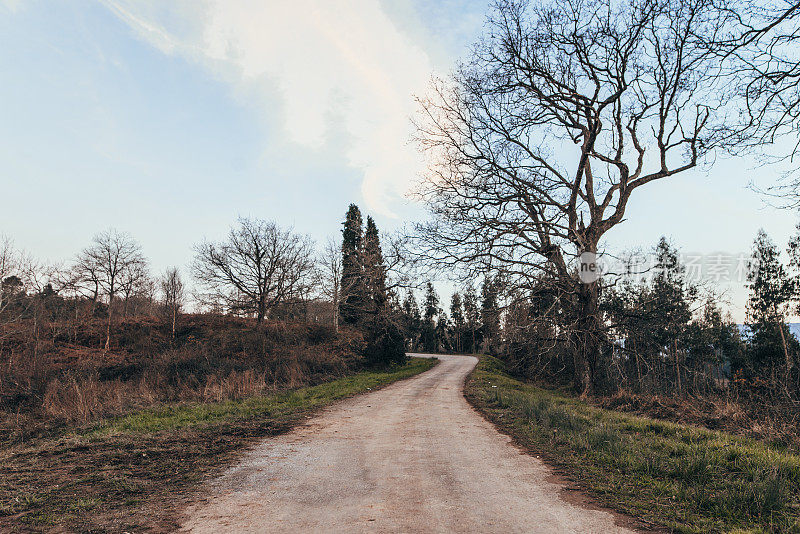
411 457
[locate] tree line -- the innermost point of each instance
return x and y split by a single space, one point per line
472 325
259 270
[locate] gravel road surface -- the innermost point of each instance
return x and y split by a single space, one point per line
412 457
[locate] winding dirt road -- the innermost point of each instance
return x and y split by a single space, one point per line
412 457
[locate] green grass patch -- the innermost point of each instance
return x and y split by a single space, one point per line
133 473
276 406
684 478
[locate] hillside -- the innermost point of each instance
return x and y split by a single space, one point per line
65 376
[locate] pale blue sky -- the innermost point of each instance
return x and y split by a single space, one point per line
167 120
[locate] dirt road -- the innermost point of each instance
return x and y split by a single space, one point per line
412 457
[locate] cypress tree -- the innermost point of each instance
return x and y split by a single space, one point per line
374 269
351 307
412 320
671 298
443 341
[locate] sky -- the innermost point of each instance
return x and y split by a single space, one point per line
170 119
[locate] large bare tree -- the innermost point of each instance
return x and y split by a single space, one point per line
538 142
112 261
258 267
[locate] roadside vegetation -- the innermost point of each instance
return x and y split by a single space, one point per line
135 472
69 380
680 477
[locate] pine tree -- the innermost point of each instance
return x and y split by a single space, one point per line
431 311
458 322
352 299
770 294
490 313
671 303
472 317
412 320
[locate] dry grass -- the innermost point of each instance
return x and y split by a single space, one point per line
237 385
775 422
65 377
75 399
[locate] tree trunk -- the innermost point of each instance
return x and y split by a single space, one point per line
677 366
108 323
586 338
592 364
261 312
108 330
786 353
639 384
336 310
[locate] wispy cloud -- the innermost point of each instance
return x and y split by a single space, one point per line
344 59
11 5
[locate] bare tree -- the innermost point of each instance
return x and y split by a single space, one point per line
173 294
84 278
108 265
10 265
331 273
17 269
538 143
257 268
135 281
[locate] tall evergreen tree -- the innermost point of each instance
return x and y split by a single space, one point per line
352 299
672 298
412 320
431 311
472 317
443 340
374 269
770 294
490 312
458 322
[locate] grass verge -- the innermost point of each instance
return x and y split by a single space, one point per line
133 473
680 477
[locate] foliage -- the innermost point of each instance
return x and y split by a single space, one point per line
353 291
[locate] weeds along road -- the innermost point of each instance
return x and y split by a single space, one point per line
412 457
